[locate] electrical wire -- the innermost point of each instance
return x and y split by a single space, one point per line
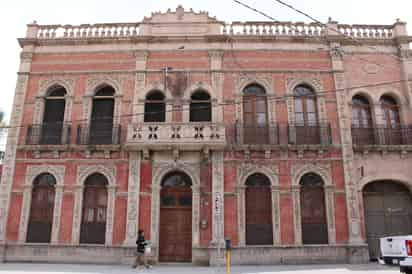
274 98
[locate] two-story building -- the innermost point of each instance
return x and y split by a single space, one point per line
292 139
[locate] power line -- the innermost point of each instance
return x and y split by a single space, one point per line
326 25
269 98
319 22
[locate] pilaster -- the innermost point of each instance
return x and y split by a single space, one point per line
351 188
12 139
217 198
132 217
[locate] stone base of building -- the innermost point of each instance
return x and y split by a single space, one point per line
319 254
200 256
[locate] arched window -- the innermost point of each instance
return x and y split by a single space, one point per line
306 116
362 126
313 211
41 210
93 226
255 117
259 230
155 107
390 111
101 124
53 117
391 121
200 107
305 106
361 112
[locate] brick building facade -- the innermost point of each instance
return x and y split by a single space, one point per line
291 139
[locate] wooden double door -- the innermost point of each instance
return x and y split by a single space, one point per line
175 240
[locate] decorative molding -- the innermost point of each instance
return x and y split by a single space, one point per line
322 169
244 170
52 81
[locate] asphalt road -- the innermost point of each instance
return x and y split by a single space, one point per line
17 268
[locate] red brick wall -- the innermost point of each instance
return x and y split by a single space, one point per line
66 219
119 227
341 219
13 220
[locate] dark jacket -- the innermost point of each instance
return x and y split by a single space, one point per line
141 243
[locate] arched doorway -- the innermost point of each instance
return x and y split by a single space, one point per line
41 210
93 226
175 239
388 212
259 229
313 210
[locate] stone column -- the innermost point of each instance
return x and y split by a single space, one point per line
111 197
12 138
195 216
330 213
351 188
241 215
25 213
217 198
58 199
133 191
296 214
77 214
276 215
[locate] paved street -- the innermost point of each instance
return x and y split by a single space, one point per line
180 269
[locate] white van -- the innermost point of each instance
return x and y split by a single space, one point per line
397 250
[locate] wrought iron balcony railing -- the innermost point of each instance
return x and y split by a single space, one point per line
253 134
48 134
381 135
99 134
319 134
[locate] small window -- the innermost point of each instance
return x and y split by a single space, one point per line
155 107
200 107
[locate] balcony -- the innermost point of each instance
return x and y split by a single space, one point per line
381 136
255 135
48 134
159 136
98 134
309 134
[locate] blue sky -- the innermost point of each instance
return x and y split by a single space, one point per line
14 15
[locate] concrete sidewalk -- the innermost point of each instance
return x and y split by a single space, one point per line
17 268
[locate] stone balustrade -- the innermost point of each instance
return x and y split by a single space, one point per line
273 28
182 135
367 31
87 31
287 29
